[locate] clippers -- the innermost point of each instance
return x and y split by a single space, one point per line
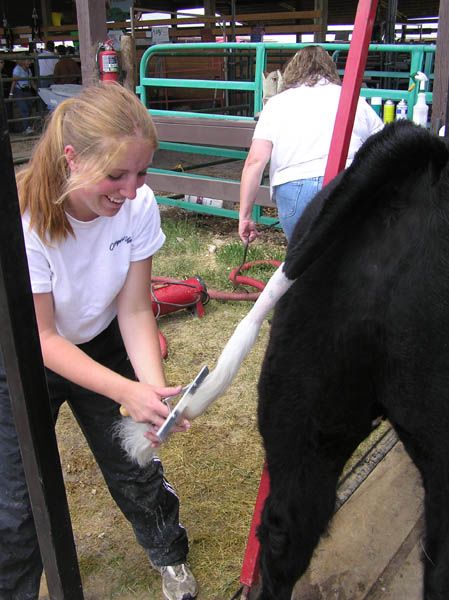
177 412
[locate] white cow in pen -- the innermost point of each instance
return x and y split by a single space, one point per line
272 85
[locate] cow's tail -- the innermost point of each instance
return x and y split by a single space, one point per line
133 440
131 434
239 345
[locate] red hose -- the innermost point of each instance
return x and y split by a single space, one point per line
236 279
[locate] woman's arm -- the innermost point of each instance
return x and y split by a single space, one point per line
138 324
256 161
141 400
13 85
140 334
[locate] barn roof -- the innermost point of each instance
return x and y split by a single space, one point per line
340 11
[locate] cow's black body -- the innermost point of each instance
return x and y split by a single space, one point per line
364 332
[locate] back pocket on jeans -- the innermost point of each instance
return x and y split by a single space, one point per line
286 197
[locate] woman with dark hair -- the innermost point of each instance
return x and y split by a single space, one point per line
294 132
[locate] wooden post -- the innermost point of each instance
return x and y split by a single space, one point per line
441 81
209 8
45 13
390 32
30 403
321 5
128 60
91 16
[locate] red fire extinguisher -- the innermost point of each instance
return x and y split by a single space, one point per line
107 62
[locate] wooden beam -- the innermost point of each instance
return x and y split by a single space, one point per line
91 31
441 80
273 29
176 183
30 405
209 132
264 17
344 121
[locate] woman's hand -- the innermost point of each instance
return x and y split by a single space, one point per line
144 404
247 231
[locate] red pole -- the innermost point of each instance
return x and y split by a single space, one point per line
344 121
350 91
250 568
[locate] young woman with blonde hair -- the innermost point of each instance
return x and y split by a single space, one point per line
293 133
91 226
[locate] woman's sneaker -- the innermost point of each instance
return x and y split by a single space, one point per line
178 582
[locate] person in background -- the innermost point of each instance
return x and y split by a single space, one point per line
91 227
47 62
294 133
6 67
22 90
67 70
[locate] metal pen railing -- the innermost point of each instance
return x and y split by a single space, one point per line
256 57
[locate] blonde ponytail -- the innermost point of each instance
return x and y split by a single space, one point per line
97 123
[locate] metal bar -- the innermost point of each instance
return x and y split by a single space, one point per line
208 150
344 120
250 567
217 212
19 341
193 115
199 83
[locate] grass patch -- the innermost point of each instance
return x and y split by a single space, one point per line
232 253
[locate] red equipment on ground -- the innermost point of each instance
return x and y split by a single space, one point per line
107 62
169 295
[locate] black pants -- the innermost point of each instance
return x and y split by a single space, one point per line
143 495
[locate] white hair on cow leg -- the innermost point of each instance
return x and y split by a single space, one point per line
131 434
238 346
133 441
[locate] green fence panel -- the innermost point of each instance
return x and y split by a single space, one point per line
420 58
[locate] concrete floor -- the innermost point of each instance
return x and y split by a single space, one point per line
373 547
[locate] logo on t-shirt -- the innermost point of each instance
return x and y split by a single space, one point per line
126 238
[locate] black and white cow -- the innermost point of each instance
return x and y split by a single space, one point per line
360 330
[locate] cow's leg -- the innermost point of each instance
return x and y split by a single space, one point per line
303 480
430 452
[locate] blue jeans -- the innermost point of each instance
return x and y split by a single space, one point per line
23 103
292 198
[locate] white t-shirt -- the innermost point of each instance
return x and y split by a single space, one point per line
23 76
47 65
86 272
299 122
